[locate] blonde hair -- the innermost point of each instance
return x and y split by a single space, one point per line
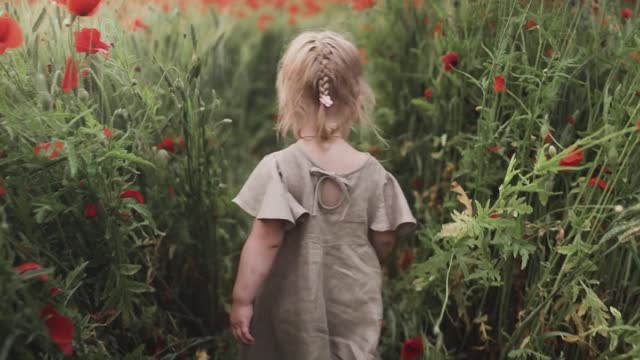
321 72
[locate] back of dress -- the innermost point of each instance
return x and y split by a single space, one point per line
322 298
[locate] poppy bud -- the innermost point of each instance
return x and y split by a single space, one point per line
83 95
120 117
178 84
162 156
618 209
553 151
45 100
196 66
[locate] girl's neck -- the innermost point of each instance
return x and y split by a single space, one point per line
309 135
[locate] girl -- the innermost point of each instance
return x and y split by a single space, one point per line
325 217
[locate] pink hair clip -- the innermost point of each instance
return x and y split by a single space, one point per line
326 100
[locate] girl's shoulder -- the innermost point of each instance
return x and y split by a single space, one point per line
292 159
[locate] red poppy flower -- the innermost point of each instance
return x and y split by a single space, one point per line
138 24
59 2
604 20
374 151
253 4
406 259
412 349
571 120
83 7
494 148
359 5
428 93
132 194
10 33
311 7
363 55
30 266
70 79
108 133
293 9
263 20
574 158
531 24
498 84
88 41
548 137
626 13
90 210
495 216
54 291
437 30
60 329
417 183
450 60
166 144
549 52
44 147
602 183
638 124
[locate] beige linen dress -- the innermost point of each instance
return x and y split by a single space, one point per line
322 299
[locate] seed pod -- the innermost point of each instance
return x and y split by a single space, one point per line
162 156
83 95
196 66
120 117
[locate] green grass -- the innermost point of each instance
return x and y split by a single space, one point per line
555 276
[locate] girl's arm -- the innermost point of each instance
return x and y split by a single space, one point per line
383 242
256 260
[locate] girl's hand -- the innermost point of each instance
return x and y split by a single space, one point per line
241 315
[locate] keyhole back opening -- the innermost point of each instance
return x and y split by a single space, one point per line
331 195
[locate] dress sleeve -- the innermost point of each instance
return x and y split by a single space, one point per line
265 196
392 210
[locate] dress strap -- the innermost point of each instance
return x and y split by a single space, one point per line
342 182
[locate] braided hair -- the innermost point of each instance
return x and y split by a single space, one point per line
321 73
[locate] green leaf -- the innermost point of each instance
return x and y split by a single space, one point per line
74 274
72 158
129 269
137 287
575 247
123 155
424 106
38 22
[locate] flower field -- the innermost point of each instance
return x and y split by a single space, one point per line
513 126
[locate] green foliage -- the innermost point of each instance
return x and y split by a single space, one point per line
539 264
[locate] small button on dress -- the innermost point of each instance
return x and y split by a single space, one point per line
322 299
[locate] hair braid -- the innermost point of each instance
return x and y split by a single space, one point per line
324 87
